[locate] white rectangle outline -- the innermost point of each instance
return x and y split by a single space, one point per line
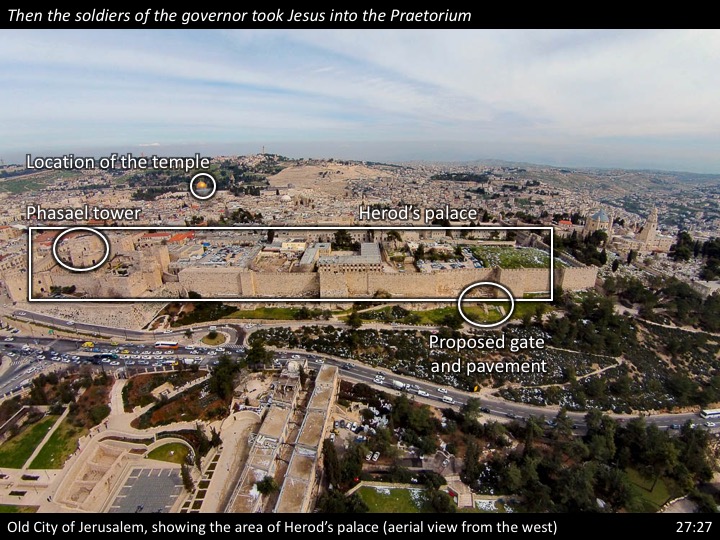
550 229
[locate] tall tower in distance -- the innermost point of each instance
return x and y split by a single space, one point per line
649 231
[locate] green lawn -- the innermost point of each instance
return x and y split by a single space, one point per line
14 509
60 446
270 313
653 493
219 340
477 313
399 500
172 452
510 257
21 185
15 452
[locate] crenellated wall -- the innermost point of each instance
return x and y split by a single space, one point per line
295 285
229 282
209 282
577 278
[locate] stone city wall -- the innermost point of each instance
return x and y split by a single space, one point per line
333 285
241 283
359 284
450 283
525 280
209 282
295 285
577 278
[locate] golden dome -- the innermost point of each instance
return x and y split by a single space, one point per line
201 185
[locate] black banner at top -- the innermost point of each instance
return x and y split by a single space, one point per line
442 16
240 16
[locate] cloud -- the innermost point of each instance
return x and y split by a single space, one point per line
561 92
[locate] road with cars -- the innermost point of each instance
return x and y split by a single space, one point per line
24 357
95 330
24 352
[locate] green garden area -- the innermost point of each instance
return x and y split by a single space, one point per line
392 500
15 509
510 257
213 339
137 392
87 397
15 451
194 404
272 314
652 493
61 444
171 452
485 312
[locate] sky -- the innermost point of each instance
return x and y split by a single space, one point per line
631 99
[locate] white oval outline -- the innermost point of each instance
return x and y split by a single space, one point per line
194 193
72 268
481 284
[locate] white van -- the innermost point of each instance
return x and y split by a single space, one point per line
447 399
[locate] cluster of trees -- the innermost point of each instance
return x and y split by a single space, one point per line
236 190
576 218
267 485
342 241
419 426
590 326
553 471
240 215
257 355
5 173
194 220
685 248
54 289
152 193
59 391
202 312
588 250
480 178
711 253
342 472
435 254
667 297
221 382
305 313
354 320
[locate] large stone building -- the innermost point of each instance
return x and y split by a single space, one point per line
598 221
301 478
140 266
647 240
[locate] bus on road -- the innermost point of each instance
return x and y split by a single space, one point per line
167 345
710 413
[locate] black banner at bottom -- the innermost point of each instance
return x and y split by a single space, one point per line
343 525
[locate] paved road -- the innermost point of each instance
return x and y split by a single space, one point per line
24 357
86 329
349 369
357 372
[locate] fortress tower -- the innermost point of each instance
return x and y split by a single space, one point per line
648 234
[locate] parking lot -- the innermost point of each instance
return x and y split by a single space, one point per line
148 491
